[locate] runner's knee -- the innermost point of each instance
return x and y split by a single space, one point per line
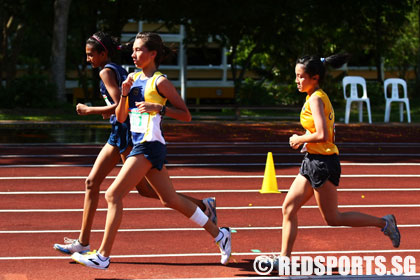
333 219
91 185
112 197
288 210
171 201
144 189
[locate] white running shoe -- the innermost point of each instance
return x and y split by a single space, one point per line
71 246
92 259
210 210
225 245
270 263
391 230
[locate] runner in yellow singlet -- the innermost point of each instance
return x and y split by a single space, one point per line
320 170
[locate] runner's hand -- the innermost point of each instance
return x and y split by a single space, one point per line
126 85
148 107
82 109
294 141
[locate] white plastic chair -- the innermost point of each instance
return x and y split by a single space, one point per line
395 97
354 81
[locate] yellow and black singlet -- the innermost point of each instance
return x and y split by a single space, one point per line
306 119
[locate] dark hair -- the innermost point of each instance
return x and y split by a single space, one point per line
153 42
101 42
315 65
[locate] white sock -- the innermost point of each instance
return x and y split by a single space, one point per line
102 258
219 236
199 217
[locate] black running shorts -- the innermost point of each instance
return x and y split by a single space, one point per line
320 168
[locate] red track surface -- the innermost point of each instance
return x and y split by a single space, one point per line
153 237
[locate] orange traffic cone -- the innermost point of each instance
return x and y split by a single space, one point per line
270 181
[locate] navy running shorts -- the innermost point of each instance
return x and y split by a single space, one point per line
154 151
320 168
120 136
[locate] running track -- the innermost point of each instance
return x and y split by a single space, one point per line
41 190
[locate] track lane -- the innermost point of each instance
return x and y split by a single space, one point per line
237 199
182 184
135 268
69 222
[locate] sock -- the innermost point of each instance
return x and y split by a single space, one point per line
102 258
199 217
78 240
219 236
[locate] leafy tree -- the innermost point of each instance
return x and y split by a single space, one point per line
246 27
404 52
14 23
265 37
87 17
373 27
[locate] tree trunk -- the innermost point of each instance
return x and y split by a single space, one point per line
59 44
418 55
380 69
12 35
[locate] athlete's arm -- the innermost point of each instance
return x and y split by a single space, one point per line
321 132
178 110
121 112
110 81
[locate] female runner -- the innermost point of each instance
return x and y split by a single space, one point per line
100 48
143 100
320 170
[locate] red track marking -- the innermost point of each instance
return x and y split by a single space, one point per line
295 158
184 242
203 184
138 220
276 147
58 201
204 170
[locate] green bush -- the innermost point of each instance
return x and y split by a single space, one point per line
255 93
271 93
29 91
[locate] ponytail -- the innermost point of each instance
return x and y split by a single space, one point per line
337 60
153 42
315 65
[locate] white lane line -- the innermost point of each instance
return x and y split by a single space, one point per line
215 177
210 164
218 208
411 276
218 254
217 164
182 229
49 156
172 155
391 189
208 144
292 155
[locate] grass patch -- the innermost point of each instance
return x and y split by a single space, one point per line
61 113
68 113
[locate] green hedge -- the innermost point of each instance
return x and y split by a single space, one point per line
29 91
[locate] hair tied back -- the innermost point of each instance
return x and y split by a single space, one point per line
100 42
